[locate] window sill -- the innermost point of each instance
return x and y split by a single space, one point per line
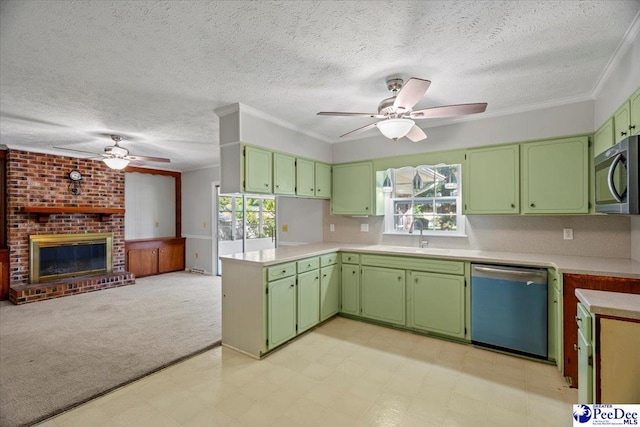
431 234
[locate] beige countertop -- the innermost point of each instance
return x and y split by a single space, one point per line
596 266
615 304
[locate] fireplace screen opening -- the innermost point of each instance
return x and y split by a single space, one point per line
69 255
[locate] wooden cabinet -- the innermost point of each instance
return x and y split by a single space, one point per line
323 180
281 319
604 137
492 180
284 174
353 189
305 178
4 274
383 295
257 170
571 282
147 257
555 176
437 303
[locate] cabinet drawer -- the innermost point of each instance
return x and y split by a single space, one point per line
415 264
329 259
280 271
350 258
308 265
583 319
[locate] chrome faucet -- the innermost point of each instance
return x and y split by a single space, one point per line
422 242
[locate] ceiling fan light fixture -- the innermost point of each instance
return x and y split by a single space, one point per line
116 163
395 128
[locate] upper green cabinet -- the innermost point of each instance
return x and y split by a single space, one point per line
492 180
305 177
284 174
634 110
604 137
257 170
353 189
555 176
323 180
622 119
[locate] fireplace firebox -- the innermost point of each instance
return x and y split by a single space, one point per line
57 256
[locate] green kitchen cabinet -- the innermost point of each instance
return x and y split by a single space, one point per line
350 281
383 295
622 121
281 317
284 174
257 170
492 180
305 178
604 137
308 300
437 303
554 312
323 180
329 291
584 347
353 189
634 111
555 176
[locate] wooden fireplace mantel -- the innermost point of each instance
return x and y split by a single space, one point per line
44 212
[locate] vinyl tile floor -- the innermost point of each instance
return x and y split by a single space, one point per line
343 373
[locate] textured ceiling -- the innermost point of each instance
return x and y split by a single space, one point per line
154 71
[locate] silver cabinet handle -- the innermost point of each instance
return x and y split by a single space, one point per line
515 272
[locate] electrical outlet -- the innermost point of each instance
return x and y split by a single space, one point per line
364 227
204 224
568 233
332 227
196 255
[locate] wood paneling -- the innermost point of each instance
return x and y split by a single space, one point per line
146 257
4 274
570 301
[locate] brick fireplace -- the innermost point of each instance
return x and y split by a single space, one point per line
41 181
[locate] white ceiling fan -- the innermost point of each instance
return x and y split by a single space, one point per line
117 157
398 114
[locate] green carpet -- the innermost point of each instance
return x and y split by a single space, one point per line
59 353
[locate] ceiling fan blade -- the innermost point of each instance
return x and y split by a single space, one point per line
359 130
343 114
416 134
80 151
149 159
449 111
411 93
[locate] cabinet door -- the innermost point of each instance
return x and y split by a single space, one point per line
142 262
634 124
585 370
323 180
621 121
350 289
305 178
281 311
383 295
437 303
352 189
257 170
555 176
492 180
329 291
604 137
284 174
308 300
171 258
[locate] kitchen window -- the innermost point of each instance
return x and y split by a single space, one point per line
424 197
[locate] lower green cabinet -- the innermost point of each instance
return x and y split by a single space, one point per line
436 303
350 289
329 291
281 319
383 294
585 370
308 300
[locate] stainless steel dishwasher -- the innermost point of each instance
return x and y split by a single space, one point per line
509 308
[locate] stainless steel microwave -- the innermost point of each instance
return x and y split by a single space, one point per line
616 178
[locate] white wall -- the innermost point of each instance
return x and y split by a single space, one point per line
198 218
150 207
635 238
302 218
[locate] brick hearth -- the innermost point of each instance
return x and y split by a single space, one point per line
35 179
70 286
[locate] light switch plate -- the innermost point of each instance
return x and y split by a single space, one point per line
568 233
332 227
364 227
